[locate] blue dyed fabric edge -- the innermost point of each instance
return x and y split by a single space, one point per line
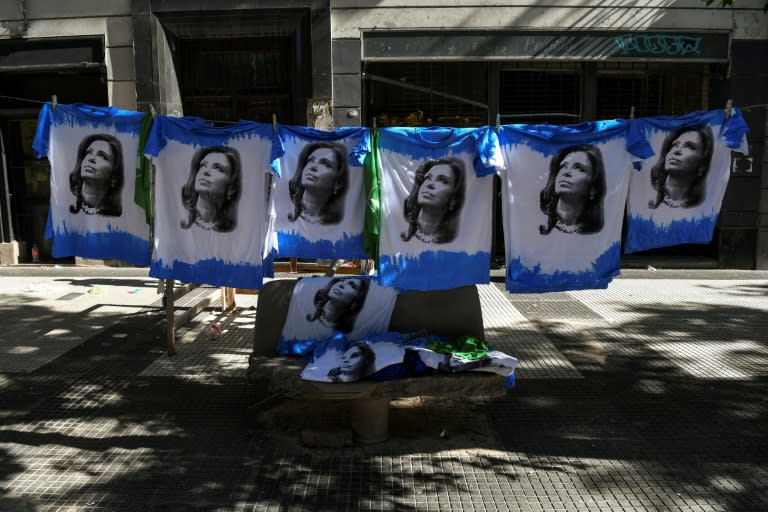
213 271
644 234
358 152
81 114
348 247
114 245
549 139
434 270
520 279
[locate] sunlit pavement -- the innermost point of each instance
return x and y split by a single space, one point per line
650 395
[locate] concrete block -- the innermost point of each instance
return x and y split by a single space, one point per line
77 8
120 31
346 55
11 28
346 116
122 94
10 11
346 90
761 252
9 253
120 63
69 27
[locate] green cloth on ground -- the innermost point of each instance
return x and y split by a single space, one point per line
466 347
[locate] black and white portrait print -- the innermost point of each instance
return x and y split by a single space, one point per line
573 196
212 191
319 186
98 177
338 303
433 207
679 176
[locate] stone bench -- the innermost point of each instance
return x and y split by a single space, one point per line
448 313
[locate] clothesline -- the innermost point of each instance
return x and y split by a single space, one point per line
44 102
23 99
744 108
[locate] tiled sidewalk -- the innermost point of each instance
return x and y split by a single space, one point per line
650 395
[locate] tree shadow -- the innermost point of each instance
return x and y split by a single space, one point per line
638 415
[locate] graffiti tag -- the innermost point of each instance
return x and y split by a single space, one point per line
659 44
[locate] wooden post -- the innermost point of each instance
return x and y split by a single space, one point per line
227 299
170 328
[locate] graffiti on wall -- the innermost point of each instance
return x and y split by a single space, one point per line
658 44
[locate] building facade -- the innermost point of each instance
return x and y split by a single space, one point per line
391 63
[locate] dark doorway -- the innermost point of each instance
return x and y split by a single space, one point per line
225 80
28 177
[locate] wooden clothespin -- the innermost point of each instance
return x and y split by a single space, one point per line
152 110
632 112
274 122
54 101
728 108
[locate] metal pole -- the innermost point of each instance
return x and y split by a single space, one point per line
7 194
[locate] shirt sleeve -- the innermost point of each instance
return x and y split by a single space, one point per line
43 133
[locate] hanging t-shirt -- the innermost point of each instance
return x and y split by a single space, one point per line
320 196
436 206
92 152
676 195
563 195
212 214
320 307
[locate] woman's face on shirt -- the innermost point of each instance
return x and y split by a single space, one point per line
320 170
438 186
213 174
345 291
98 161
685 153
352 360
575 175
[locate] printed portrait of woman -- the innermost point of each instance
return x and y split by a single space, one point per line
433 207
319 187
357 362
97 179
338 303
572 198
679 176
212 190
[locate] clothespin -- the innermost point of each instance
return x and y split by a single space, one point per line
274 122
498 120
54 101
152 110
728 108
632 113
373 122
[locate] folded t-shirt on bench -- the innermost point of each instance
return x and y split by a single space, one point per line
321 307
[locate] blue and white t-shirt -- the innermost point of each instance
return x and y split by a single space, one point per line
320 196
436 206
212 210
92 152
676 195
563 195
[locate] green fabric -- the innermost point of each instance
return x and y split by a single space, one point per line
372 179
466 347
142 193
